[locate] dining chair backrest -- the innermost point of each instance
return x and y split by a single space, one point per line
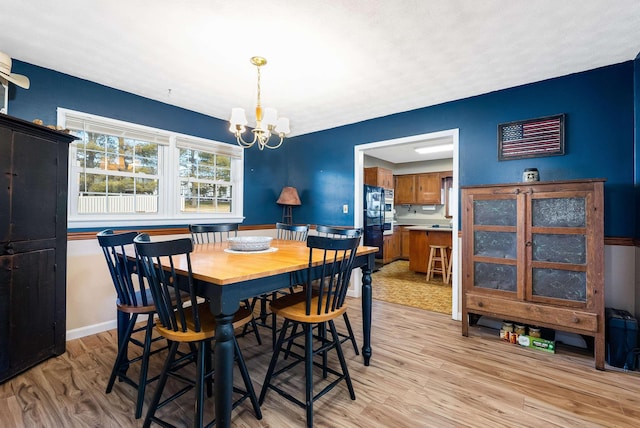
329 281
114 247
211 233
158 265
338 232
291 232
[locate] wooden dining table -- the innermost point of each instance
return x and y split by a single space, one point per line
226 278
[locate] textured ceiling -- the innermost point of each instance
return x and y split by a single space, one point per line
330 63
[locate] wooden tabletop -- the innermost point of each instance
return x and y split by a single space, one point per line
211 263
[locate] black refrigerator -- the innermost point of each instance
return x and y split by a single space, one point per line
373 217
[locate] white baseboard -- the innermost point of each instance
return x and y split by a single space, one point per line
77 333
90 329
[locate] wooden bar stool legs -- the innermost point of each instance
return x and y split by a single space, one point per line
448 281
438 262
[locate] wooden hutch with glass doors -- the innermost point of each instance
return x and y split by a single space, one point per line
533 253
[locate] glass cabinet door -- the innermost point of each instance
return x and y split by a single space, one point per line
495 244
557 238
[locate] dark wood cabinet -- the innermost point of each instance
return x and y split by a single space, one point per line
33 244
533 253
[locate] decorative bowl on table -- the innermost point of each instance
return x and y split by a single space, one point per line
250 243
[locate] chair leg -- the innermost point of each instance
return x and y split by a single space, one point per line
350 331
274 325
322 332
294 330
208 364
449 268
254 325
247 381
308 371
198 411
122 352
430 264
343 362
444 263
161 383
144 368
274 360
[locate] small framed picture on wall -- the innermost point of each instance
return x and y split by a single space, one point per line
531 138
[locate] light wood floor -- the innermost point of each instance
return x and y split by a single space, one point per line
423 374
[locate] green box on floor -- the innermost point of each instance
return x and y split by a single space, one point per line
537 343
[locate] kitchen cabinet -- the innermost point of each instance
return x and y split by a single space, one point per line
404 243
419 246
391 246
376 176
405 189
429 188
419 189
533 253
33 244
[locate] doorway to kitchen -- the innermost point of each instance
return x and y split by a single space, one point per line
408 144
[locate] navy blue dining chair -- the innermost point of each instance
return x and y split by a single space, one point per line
316 305
220 232
189 321
133 299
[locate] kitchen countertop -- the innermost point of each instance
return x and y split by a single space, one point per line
430 227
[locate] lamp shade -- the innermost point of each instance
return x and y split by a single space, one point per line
283 126
238 116
270 117
289 196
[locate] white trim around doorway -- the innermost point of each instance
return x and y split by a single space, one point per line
359 152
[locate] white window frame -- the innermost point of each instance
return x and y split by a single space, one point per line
168 202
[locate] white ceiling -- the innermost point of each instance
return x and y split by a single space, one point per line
330 62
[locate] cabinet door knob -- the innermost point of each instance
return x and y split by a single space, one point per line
528 243
480 304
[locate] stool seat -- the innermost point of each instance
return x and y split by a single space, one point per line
438 262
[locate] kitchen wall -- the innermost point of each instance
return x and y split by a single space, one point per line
415 214
422 214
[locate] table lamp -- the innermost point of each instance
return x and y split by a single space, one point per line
288 198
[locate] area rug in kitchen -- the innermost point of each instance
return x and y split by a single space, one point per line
395 283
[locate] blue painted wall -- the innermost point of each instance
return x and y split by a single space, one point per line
599 138
50 90
599 108
636 92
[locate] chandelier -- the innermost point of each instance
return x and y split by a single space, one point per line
267 122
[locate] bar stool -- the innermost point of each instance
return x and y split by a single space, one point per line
438 263
448 281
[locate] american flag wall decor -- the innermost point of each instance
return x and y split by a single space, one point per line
531 138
